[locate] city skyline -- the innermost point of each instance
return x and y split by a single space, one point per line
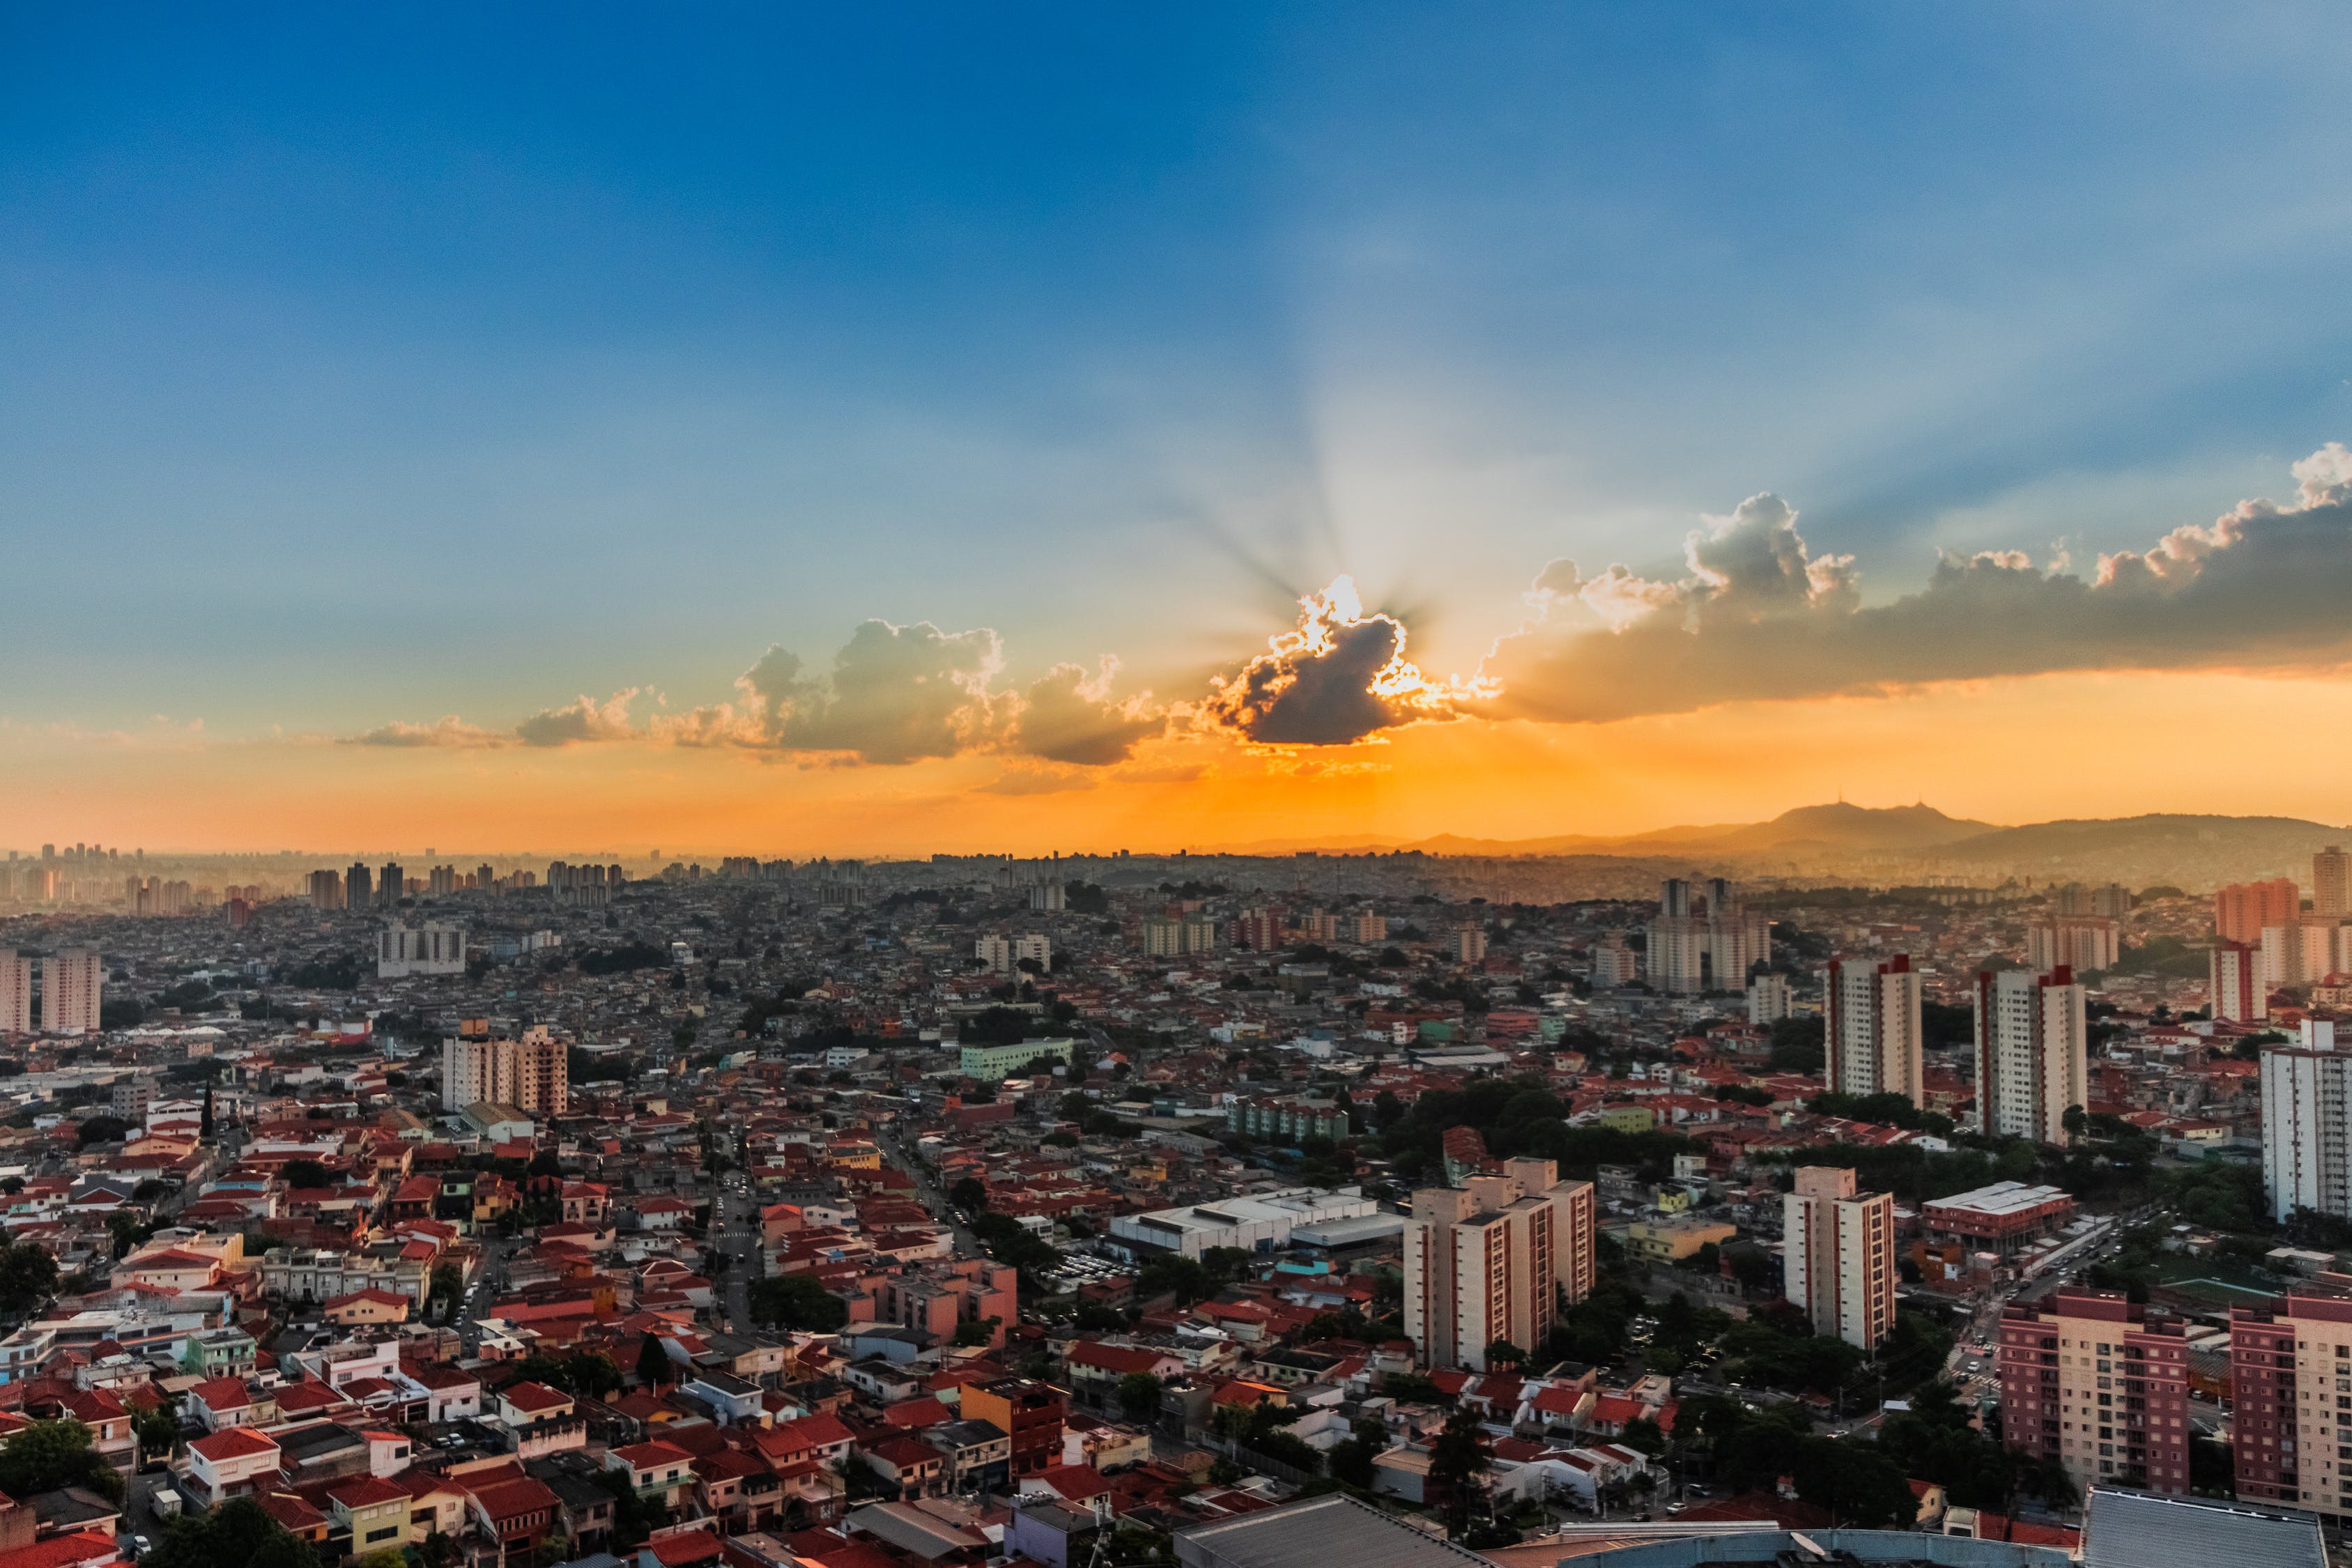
820 435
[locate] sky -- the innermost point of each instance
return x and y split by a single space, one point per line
863 430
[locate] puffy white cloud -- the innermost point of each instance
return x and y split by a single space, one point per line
895 694
580 720
1759 616
1069 716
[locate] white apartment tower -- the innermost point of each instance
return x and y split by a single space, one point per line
73 987
2032 1046
2307 1125
533 1073
1489 1261
435 947
1690 952
1839 1255
15 992
1768 1000
2236 987
1870 1030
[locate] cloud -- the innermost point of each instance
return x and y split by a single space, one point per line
1068 716
895 694
1760 617
1339 677
446 730
582 719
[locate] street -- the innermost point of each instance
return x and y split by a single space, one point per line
966 1244
736 1237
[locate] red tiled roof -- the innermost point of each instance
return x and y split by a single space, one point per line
237 1443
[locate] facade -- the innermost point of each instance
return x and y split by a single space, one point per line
1264 1117
1704 941
1872 1032
435 947
2100 1386
326 890
2032 1048
1488 1262
2004 1218
1839 1260
1614 963
991 1063
358 885
2241 910
2301 951
1259 1222
1175 936
529 1074
2237 986
2331 884
2290 1365
1027 1412
2085 946
15 992
1768 1000
73 988
2307 1125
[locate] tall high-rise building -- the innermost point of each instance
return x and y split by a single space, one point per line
16 992
441 881
2239 986
73 990
391 884
2290 1364
1768 1000
2033 1049
358 885
326 890
529 1074
1489 1261
1469 944
1871 1027
2087 945
2301 951
2307 1125
2099 1385
1716 949
2331 884
1838 1252
2241 910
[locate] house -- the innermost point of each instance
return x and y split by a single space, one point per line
220 1402
366 1305
516 1511
229 1464
733 1400
374 1511
654 1469
1050 1534
912 1466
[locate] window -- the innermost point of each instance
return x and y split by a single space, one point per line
385 1534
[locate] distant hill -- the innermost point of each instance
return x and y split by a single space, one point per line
1836 827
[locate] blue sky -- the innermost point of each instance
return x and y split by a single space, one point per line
367 365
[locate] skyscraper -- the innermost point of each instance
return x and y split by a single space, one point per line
2239 988
2331 883
326 890
2031 1048
1690 952
2306 1138
1871 1027
16 992
2099 1385
529 1074
2241 910
357 886
73 987
1487 1262
1838 1247
391 884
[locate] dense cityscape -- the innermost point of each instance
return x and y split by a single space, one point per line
903 1212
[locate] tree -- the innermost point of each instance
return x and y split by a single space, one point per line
1139 1397
970 1194
305 1174
100 1129
204 1122
47 1455
655 1368
591 1372
1861 1487
1458 1454
976 1331
797 1300
158 1431
29 1277
389 1557
1181 1276
237 1535
1501 1354
1643 1435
